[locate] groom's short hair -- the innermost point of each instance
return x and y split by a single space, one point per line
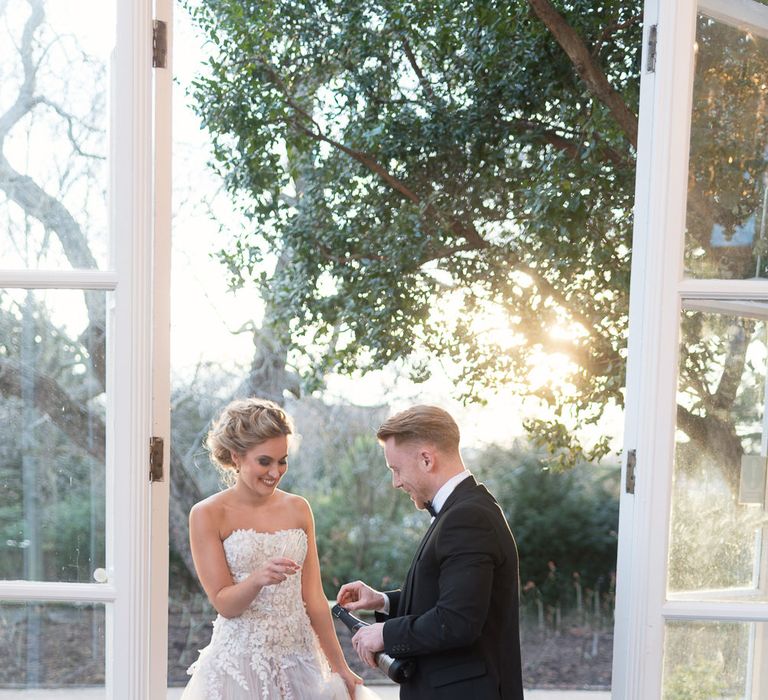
427 423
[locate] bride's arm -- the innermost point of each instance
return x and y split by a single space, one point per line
228 598
317 605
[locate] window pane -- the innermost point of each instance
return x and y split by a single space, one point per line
54 71
705 660
52 645
728 177
718 543
52 434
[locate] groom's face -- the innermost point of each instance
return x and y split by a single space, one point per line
409 470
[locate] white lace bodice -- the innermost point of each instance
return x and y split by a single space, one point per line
274 632
247 550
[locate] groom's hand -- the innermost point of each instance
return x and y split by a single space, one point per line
367 641
360 596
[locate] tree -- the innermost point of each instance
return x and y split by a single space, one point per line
467 185
569 519
466 191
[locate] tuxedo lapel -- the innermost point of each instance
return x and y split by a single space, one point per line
461 489
405 599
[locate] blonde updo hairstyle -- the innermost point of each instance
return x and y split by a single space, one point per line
243 424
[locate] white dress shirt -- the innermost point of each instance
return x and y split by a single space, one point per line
447 489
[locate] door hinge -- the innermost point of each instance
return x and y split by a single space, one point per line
629 485
650 61
156 459
159 43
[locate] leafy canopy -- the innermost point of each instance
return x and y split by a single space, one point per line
441 183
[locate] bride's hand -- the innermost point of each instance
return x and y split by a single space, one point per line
351 680
275 570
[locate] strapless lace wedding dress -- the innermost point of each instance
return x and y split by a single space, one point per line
270 652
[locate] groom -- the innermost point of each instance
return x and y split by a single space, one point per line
457 614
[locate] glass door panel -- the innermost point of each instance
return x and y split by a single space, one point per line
52 435
706 659
717 545
727 209
53 645
55 71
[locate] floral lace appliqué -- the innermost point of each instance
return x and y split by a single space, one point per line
274 633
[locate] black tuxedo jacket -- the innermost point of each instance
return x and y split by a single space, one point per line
458 612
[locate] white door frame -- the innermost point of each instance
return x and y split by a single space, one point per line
657 292
135 594
161 363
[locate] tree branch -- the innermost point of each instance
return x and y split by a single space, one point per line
715 437
408 51
70 120
71 417
586 67
569 147
733 367
25 99
48 210
88 432
52 214
612 29
452 224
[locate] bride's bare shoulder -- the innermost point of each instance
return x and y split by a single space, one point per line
298 509
210 510
294 502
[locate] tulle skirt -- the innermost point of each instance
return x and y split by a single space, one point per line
291 679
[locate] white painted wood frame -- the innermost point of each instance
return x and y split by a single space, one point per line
161 368
656 299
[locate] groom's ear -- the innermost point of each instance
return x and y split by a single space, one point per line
427 459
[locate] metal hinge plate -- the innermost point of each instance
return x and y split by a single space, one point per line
650 61
156 459
159 44
629 485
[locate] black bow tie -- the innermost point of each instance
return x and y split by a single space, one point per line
430 509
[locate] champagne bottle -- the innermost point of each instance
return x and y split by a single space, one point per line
398 670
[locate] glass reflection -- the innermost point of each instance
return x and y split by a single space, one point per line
718 544
52 434
52 645
728 176
54 72
705 660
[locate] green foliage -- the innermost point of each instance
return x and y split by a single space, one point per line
443 184
700 682
705 660
565 523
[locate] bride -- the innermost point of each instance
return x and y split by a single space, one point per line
255 554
